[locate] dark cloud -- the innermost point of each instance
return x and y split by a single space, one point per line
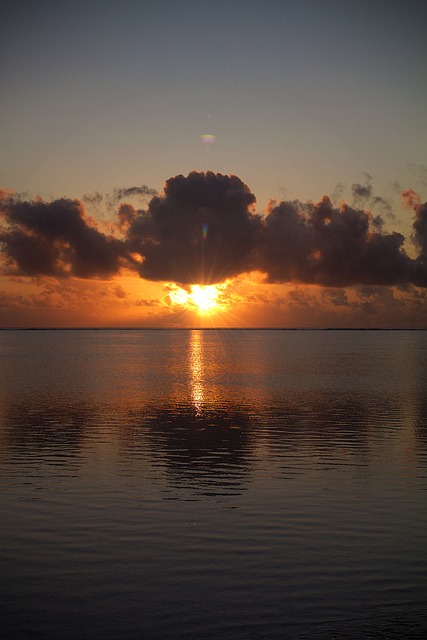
320 244
420 228
94 198
412 200
361 192
126 215
385 205
201 230
128 192
118 194
364 197
420 239
101 204
55 238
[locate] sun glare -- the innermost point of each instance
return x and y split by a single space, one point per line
203 299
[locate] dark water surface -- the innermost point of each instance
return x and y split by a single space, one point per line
213 484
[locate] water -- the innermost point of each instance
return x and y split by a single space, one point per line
213 484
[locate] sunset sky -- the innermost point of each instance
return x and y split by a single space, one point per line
230 164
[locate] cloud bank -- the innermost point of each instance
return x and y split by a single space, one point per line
204 229
55 238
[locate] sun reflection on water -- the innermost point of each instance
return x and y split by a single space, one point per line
197 384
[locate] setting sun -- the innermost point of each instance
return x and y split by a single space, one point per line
203 299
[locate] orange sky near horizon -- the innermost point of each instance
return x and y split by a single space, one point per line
244 302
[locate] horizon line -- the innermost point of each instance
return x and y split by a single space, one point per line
112 328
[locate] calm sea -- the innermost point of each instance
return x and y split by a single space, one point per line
213 484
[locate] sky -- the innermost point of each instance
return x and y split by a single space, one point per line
239 163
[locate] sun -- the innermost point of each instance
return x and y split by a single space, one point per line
205 298
200 298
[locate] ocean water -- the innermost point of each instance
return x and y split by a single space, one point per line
211 484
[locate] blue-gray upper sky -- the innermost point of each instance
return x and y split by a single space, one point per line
301 95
